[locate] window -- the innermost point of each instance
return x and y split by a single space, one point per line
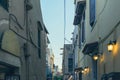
39 44
4 4
70 64
39 39
92 12
79 10
83 28
82 31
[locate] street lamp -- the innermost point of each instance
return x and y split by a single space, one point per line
111 45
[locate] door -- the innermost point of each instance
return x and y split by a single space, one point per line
12 77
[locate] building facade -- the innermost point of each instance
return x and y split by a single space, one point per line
67 62
75 44
99 24
49 73
50 64
23 40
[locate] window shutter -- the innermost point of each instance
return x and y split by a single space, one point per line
77 19
80 38
92 12
79 10
83 32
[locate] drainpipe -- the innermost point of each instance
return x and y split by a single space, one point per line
28 7
26 51
26 44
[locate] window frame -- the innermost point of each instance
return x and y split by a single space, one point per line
92 10
39 43
4 4
39 39
81 34
70 64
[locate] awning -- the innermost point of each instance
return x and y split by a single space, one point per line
112 75
91 49
80 8
78 69
77 19
78 12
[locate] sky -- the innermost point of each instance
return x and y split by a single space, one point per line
53 17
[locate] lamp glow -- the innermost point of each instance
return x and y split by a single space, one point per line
86 69
111 45
95 57
82 71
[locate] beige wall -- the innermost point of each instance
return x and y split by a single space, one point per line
31 67
66 52
106 28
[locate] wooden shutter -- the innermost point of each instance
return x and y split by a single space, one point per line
83 28
92 12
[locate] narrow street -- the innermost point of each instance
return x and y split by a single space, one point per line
59 40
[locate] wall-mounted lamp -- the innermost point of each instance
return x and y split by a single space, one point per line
86 69
82 71
95 57
111 45
79 69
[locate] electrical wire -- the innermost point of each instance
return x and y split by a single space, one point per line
103 8
64 34
30 34
65 24
13 17
106 37
19 35
64 20
97 18
15 20
118 23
